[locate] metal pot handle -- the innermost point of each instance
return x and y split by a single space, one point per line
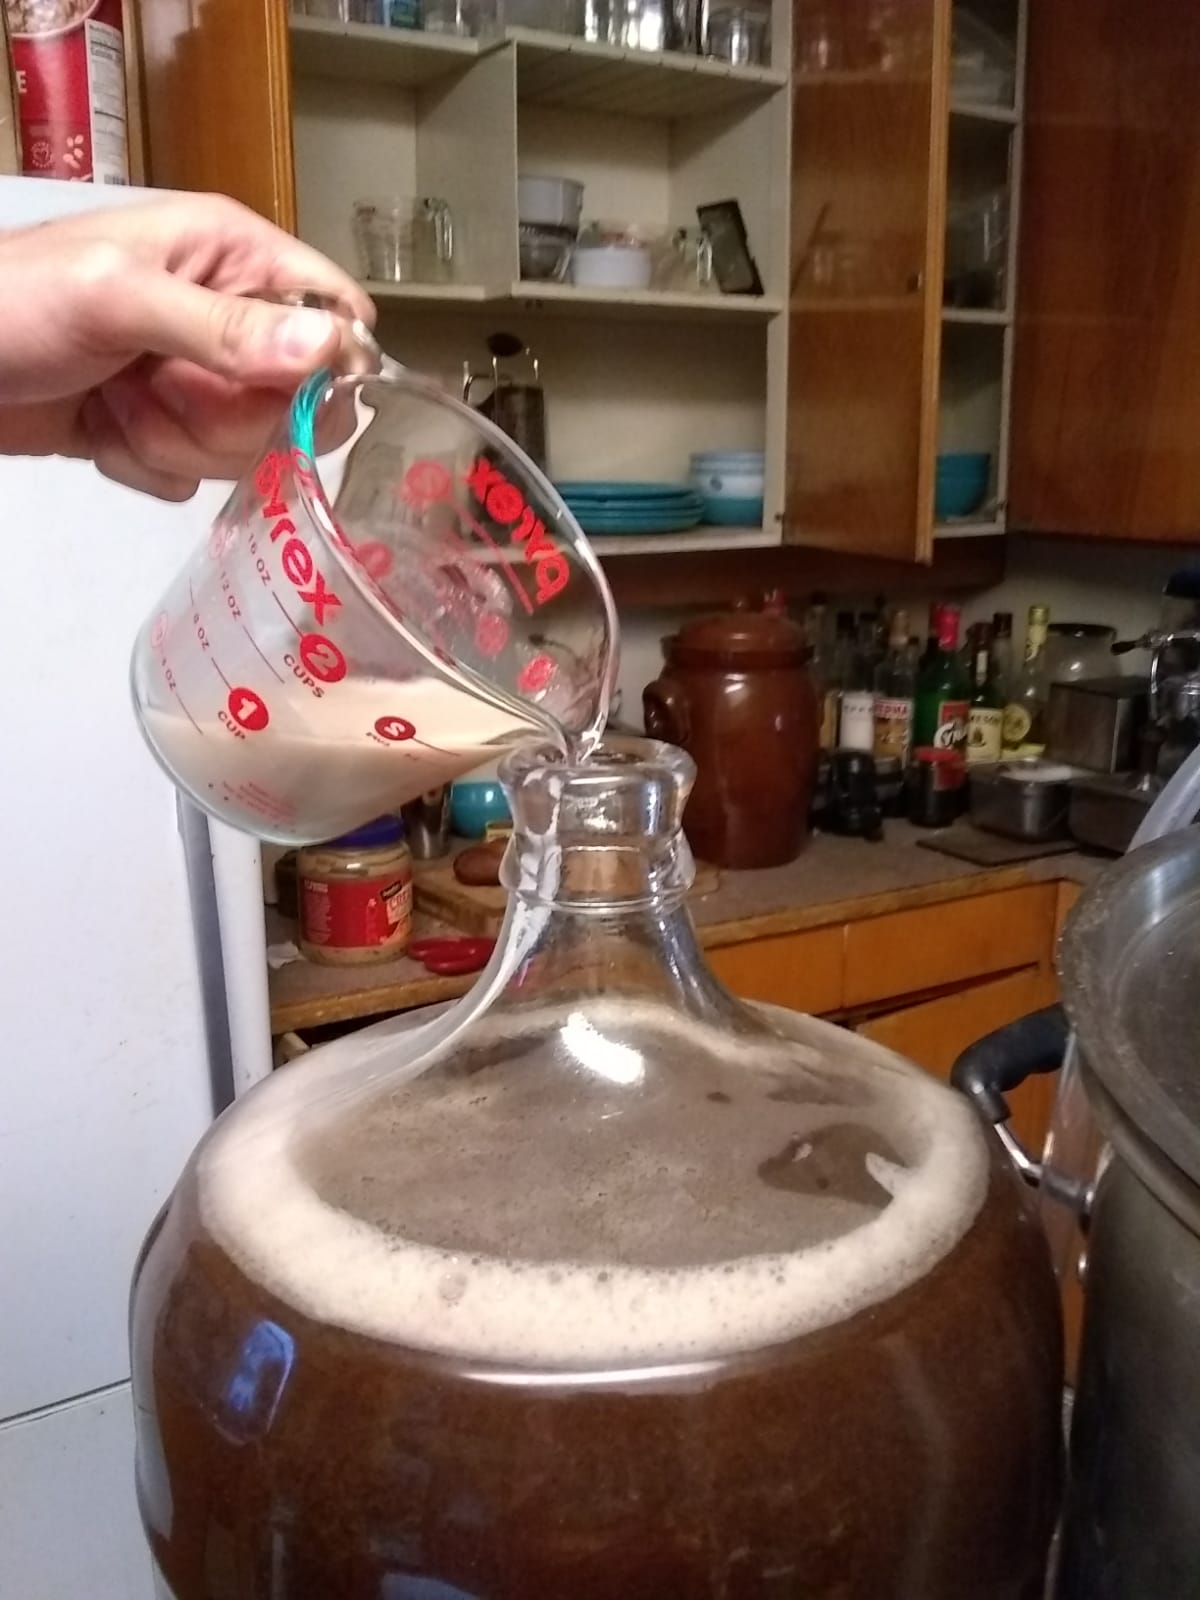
1000 1062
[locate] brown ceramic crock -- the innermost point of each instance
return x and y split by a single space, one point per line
737 695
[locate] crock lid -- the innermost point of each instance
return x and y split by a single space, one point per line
1130 964
741 636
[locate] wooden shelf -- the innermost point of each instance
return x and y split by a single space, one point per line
858 77
969 529
558 70
661 304
360 53
856 303
695 539
449 293
976 317
1006 116
564 299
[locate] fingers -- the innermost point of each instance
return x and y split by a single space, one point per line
245 340
213 239
115 458
181 419
255 254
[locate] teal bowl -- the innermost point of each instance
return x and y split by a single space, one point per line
960 483
476 803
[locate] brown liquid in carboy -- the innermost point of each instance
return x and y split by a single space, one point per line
906 1450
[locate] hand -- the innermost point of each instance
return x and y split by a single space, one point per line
125 338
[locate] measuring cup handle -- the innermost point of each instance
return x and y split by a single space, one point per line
665 708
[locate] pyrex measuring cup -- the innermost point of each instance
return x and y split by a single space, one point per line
393 592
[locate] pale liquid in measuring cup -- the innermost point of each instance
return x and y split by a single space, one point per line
360 755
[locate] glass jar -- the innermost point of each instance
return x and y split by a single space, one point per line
1076 650
600 1286
354 896
739 34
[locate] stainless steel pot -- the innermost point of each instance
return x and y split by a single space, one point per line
1130 965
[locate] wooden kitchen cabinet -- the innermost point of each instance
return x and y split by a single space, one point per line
931 947
934 1033
881 374
217 101
1106 406
801 971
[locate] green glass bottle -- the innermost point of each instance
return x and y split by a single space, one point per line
943 691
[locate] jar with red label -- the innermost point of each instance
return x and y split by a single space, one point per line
68 59
936 786
355 896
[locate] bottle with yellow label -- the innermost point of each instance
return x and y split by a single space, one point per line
1024 731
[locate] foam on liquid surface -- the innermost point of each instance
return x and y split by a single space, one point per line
380 1210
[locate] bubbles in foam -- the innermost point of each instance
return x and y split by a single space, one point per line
260 1202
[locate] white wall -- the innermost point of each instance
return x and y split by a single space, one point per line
1086 581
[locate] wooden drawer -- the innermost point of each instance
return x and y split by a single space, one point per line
802 971
936 1032
909 951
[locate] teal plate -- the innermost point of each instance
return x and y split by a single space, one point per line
622 491
602 525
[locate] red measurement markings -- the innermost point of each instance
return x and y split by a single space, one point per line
506 565
266 660
158 637
247 710
506 504
536 675
400 731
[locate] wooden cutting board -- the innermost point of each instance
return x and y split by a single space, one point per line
438 893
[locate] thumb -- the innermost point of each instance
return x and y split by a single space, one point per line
238 337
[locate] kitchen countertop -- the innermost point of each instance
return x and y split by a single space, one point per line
833 881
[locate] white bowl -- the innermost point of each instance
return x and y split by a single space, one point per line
612 266
549 202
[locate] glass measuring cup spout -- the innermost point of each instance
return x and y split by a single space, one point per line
392 594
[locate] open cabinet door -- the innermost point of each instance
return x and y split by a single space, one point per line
869 135
1106 396
218 103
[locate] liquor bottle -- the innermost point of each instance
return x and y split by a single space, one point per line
841 660
985 720
1002 657
895 692
1025 712
943 691
857 728
818 648
931 636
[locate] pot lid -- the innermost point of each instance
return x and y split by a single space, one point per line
741 635
1130 964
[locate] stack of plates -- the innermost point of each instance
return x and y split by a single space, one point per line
633 508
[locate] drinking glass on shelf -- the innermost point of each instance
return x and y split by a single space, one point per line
466 19
550 16
369 11
406 240
685 263
739 34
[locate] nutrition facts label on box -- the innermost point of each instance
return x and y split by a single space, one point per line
106 98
